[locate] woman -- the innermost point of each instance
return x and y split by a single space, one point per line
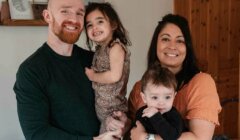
197 99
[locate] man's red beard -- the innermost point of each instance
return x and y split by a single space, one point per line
67 36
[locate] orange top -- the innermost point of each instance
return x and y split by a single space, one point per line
196 100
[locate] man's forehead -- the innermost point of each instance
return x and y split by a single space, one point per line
56 4
65 2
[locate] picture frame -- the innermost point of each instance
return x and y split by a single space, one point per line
20 9
44 2
38 9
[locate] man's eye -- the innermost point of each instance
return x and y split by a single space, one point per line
64 11
80 14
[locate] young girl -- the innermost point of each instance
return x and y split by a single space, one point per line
110 66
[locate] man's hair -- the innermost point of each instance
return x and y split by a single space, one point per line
157 76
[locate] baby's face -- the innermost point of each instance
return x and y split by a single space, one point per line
159 97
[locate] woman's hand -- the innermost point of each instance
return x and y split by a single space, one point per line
109 135
138 132
118 121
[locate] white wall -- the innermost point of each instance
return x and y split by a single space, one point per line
16 43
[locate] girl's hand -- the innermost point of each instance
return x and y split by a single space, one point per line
149 112
89 73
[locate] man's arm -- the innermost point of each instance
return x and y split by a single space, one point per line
34 109
118 121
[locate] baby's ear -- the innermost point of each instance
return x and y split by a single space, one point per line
143 97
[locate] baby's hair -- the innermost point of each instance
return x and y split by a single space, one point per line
158 75
108 12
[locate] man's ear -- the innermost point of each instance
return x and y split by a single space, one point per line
46 15
143 97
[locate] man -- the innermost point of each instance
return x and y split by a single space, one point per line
55 99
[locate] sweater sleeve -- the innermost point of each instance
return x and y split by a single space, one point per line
169 126
33 109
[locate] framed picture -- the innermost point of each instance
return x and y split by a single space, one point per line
20 9
44 2
38 9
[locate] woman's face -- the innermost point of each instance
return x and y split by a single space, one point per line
171 48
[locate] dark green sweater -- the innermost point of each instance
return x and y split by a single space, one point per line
55 99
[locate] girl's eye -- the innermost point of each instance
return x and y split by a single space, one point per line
100 21
89 25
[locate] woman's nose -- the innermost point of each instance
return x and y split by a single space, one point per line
172 45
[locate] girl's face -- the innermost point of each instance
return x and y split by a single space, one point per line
98 27
159 97
171 48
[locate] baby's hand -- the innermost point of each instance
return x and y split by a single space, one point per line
89 73
149 112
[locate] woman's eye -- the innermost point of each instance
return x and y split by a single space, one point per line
165 39
181 41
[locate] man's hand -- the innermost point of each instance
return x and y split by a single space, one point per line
138 132
118 121
109 135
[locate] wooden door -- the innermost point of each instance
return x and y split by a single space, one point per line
215 27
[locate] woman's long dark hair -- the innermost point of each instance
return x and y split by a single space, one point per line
107 10
189 67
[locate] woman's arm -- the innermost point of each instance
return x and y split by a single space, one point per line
135 101
198 130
